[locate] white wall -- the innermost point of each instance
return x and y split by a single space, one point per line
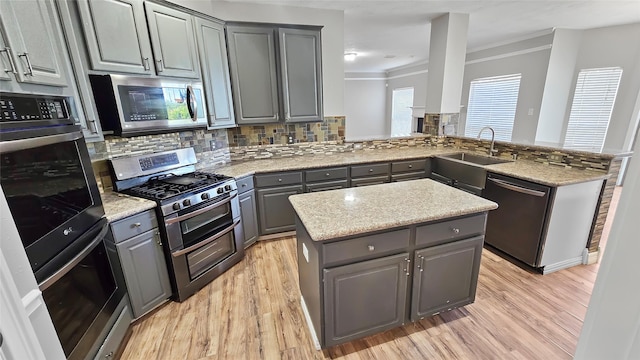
611 328
528 57
415 77
332 37
614 46
365 99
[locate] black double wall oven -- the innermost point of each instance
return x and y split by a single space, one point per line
47 179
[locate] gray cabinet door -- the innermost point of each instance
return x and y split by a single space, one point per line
274 209
252 61
35 40
6 61
249 217
215 73
301 69
116 35
173 41
364 298
445 277
145 271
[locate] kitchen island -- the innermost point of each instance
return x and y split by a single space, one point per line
373 258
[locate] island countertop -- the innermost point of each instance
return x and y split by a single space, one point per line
347 212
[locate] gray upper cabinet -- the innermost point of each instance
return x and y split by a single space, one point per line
301 69
173 43
253 74
6 61
215 73
116 35
33 42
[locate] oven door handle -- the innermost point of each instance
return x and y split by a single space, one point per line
205 242
46 283
199 211
22 144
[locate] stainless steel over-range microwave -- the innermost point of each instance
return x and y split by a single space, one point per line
129 105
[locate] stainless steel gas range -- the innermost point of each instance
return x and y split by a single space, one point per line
198 212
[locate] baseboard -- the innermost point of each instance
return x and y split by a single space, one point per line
277 236
562 265
590 258
307 317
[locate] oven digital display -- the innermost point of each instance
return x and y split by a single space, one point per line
157 161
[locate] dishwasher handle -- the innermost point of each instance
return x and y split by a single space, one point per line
514 187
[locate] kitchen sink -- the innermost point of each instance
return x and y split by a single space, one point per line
476 159
463 170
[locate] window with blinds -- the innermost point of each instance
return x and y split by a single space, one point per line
492 102
593 100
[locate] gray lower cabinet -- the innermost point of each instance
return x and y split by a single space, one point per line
445 277
410 170
369 174
274 209
364 298
249 217
326 179
140 250
327 185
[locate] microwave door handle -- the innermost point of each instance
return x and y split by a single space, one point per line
192 105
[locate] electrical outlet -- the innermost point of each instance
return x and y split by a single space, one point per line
555 157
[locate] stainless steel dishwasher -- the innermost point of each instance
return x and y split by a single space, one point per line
517 226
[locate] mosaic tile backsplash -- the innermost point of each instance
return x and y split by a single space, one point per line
331 129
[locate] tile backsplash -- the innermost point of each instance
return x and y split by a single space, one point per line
331 129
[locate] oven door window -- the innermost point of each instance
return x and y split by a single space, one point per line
202 226
45 187
76 301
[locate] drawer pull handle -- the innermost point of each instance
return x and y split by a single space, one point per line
408 261
410 166
109 355
279 180
455 230
244 185
137 225
370 170
371 247
421 266
328 174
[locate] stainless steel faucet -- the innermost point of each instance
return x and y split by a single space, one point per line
493 135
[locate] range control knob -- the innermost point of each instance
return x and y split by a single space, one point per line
204 196
220 190
176 206
227 187
186 202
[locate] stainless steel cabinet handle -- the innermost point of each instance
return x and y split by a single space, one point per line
510 186
109 355
160 67
13 66
410 166
328 174
370 170
29 71
137 224
371 248
455 230
421 265
145 64
279 180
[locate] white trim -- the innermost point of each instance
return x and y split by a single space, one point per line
307 317
562 265
32 301
352 79
509 54
513 40
407 74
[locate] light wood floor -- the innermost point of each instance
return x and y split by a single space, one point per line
253 312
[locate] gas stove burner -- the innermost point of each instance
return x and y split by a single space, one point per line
170 185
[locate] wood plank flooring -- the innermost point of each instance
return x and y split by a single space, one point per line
253 312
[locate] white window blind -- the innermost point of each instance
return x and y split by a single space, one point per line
492 102
595 93
401 112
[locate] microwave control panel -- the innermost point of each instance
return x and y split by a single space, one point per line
17 107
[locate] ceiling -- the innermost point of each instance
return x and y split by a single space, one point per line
391 34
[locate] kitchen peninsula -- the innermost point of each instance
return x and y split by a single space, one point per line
373 258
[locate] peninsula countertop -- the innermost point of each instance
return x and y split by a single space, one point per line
546 174
353 211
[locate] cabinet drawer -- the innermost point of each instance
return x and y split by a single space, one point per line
446 231
326 174
407 176
245 184
279 179
111 344
327 185
366 247
369 170
408 166
133 225
372 180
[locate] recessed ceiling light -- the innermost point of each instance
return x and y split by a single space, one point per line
350 56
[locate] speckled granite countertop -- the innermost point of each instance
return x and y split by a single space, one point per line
378 207
241 169
551 175
119 206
